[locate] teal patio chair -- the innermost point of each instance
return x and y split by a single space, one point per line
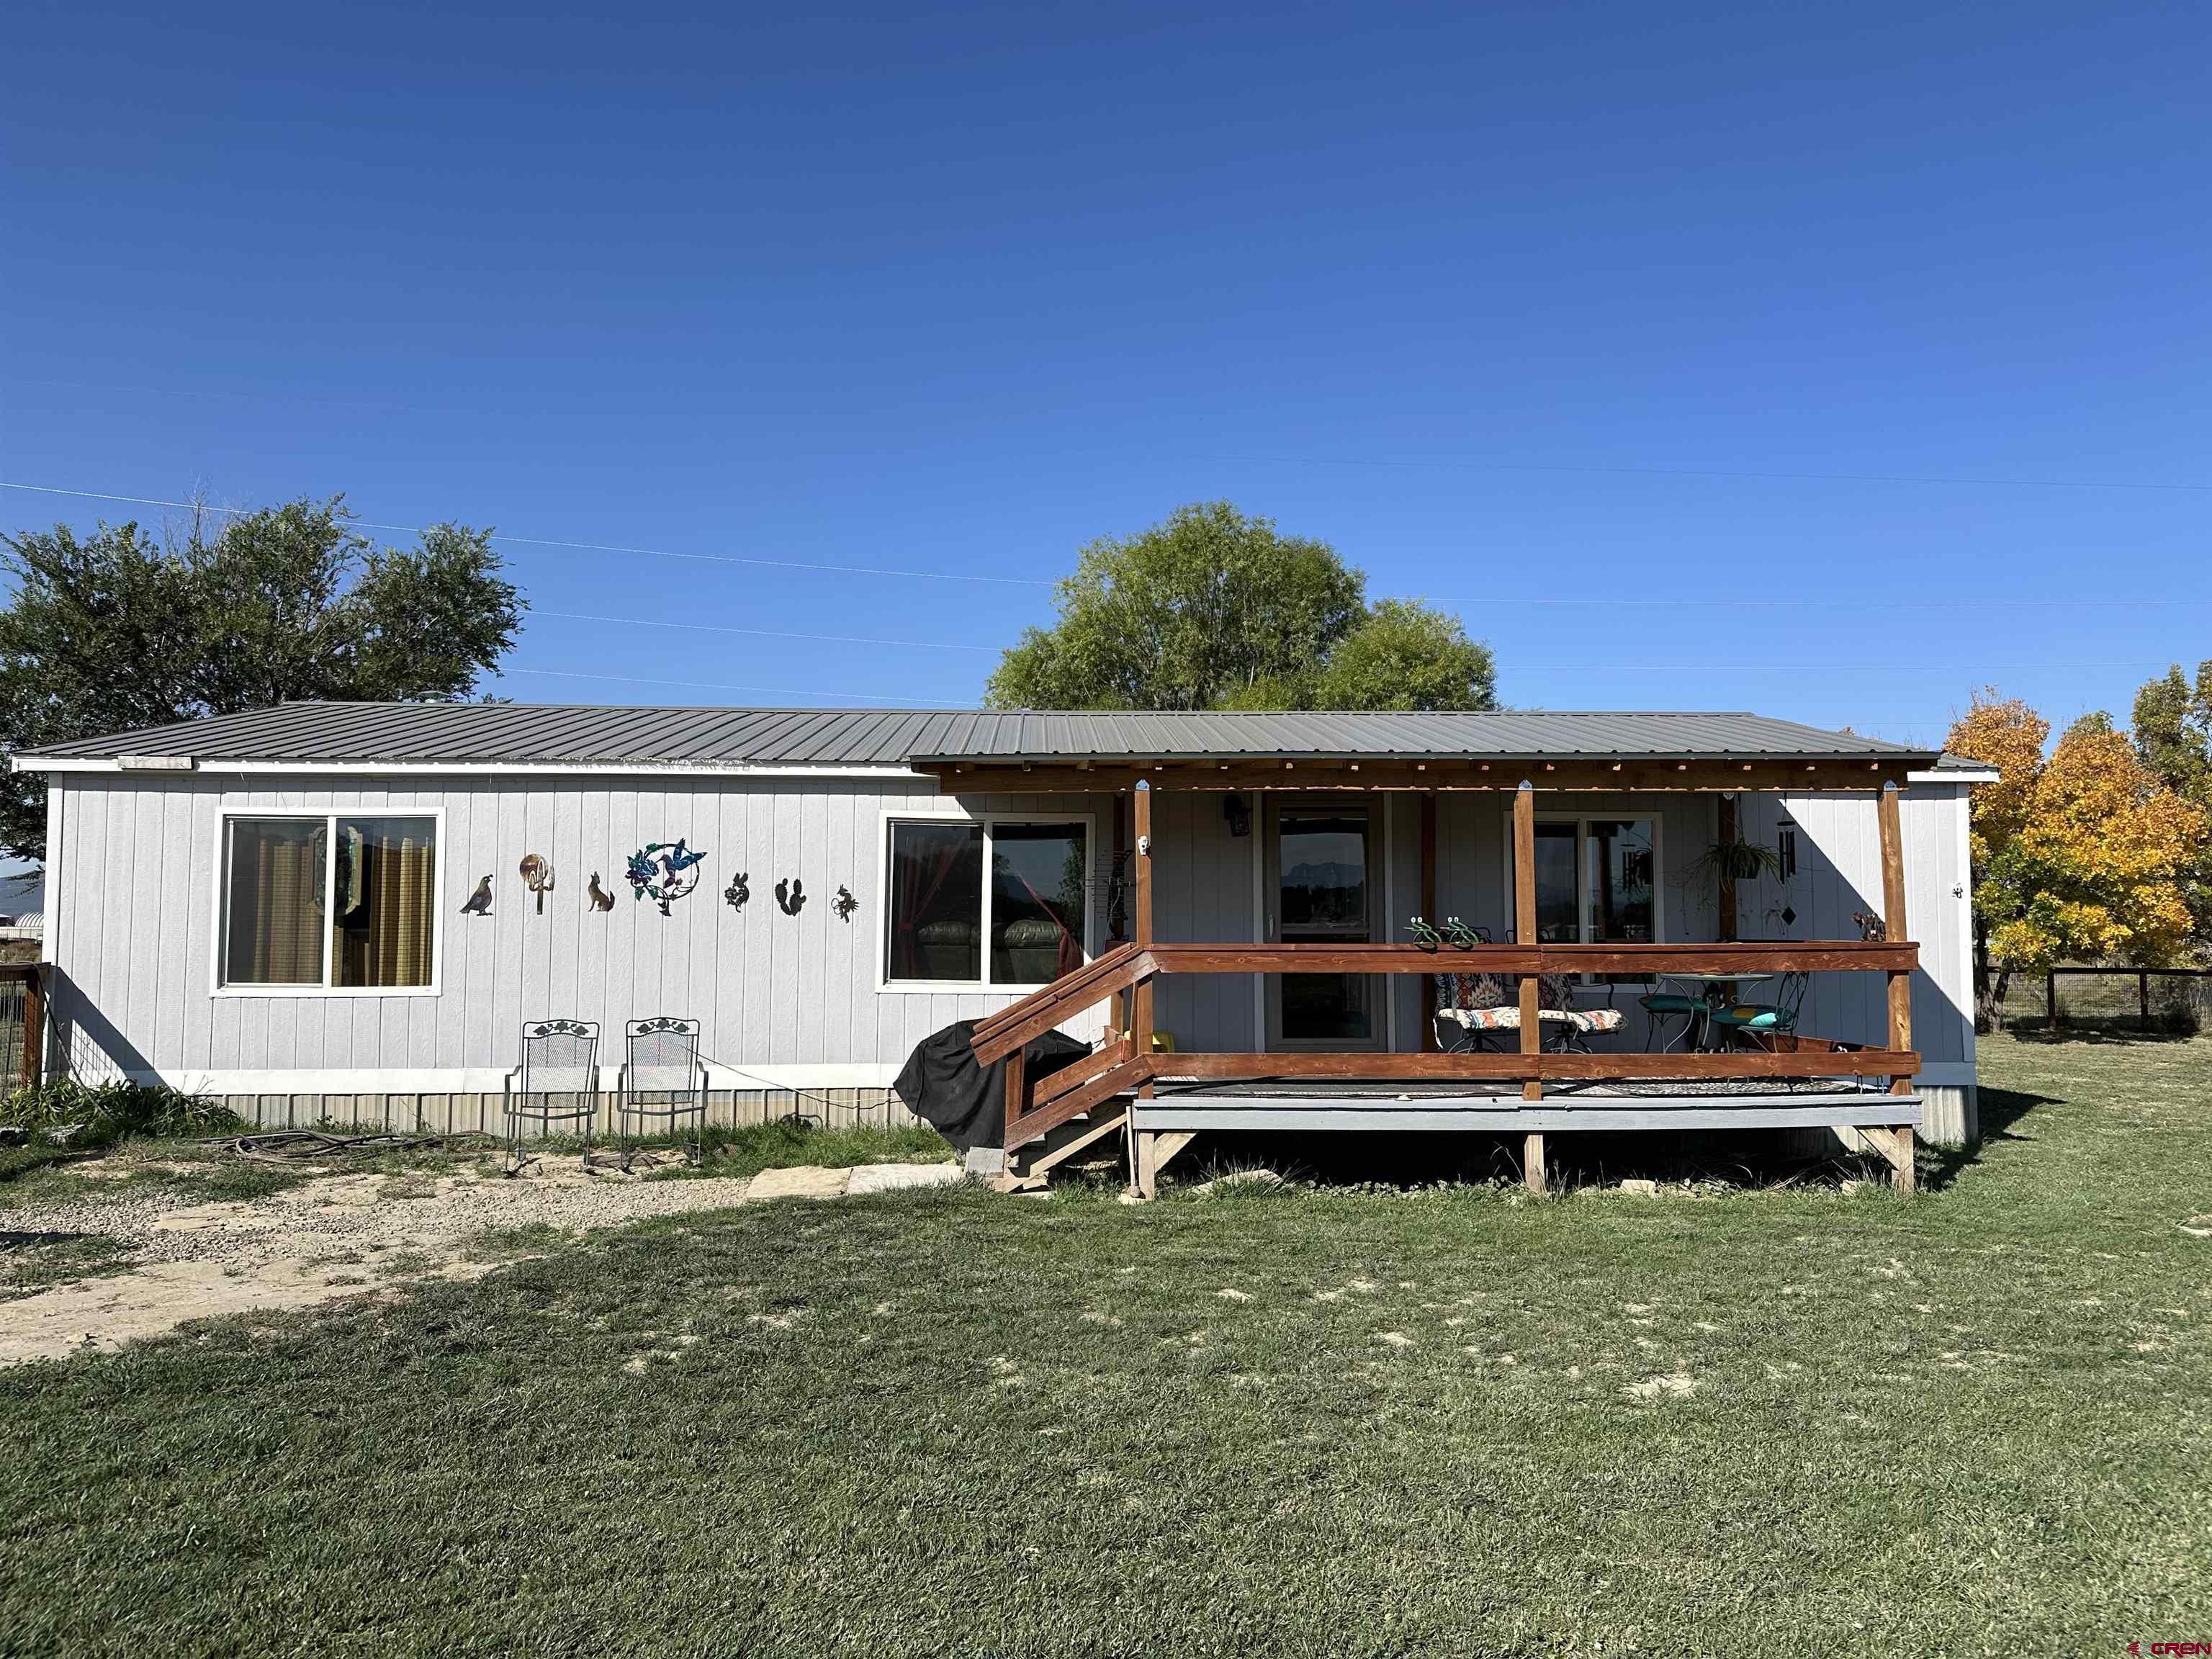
1665 1007
1775 1018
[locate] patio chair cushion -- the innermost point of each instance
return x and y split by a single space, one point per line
1754 1017
1509 1020
1671 1002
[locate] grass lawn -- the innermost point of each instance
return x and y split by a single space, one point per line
1451 1422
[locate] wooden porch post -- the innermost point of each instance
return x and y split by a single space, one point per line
1140 1024
1429 911
1144 1144
1524 932
1898 931
1728 833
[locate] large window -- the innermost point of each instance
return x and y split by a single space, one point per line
1597 881
332 901
1024 926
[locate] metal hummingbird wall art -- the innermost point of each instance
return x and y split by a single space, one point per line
664 872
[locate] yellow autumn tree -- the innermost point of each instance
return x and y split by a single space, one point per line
2080 857
2007 734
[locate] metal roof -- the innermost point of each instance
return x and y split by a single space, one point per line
537 734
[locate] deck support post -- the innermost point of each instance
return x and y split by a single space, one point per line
1155 1149
1532 1163
1524 929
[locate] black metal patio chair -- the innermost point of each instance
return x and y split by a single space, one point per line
662 1077
557 1082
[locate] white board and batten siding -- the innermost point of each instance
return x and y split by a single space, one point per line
787 1002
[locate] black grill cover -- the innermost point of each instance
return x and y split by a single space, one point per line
944 1086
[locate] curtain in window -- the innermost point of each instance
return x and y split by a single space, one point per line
387 886
401 889
937 901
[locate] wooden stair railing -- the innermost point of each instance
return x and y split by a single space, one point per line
999 1035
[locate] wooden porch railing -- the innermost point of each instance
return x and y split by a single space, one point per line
1128 1061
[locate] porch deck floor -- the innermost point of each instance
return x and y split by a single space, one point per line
1355 1088
1498 1108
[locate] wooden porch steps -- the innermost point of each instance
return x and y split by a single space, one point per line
1027 1166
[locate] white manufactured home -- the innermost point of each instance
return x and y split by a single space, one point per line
348 912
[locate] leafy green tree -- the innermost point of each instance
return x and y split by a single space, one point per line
114 631
2173 730
2173 736
1407 655
1214 609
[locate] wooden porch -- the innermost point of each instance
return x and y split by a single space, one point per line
1161 1100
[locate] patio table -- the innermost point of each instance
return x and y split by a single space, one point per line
1711 991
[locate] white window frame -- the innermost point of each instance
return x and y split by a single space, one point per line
989 821
1582 820
329 817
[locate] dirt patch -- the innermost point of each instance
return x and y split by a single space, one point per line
337 1235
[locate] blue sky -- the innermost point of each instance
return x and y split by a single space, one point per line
1631 331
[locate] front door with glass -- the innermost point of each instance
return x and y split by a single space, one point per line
1322 886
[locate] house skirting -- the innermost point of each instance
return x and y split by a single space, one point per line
431 1113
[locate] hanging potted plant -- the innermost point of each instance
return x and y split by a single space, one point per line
1729 860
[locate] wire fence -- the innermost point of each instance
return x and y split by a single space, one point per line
13 996
2177 1001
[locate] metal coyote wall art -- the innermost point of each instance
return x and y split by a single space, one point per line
664 872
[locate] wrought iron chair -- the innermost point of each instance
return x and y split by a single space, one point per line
662 1077
1473 1014
1664 1007
1775 1018
557 1082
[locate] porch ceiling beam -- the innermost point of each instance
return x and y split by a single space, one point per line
1624 776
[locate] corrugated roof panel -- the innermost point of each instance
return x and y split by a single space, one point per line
557 733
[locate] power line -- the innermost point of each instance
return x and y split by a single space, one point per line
1487 600
585 547
1855 602
1510 667
1705 473
1565 468
724 685
765 632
